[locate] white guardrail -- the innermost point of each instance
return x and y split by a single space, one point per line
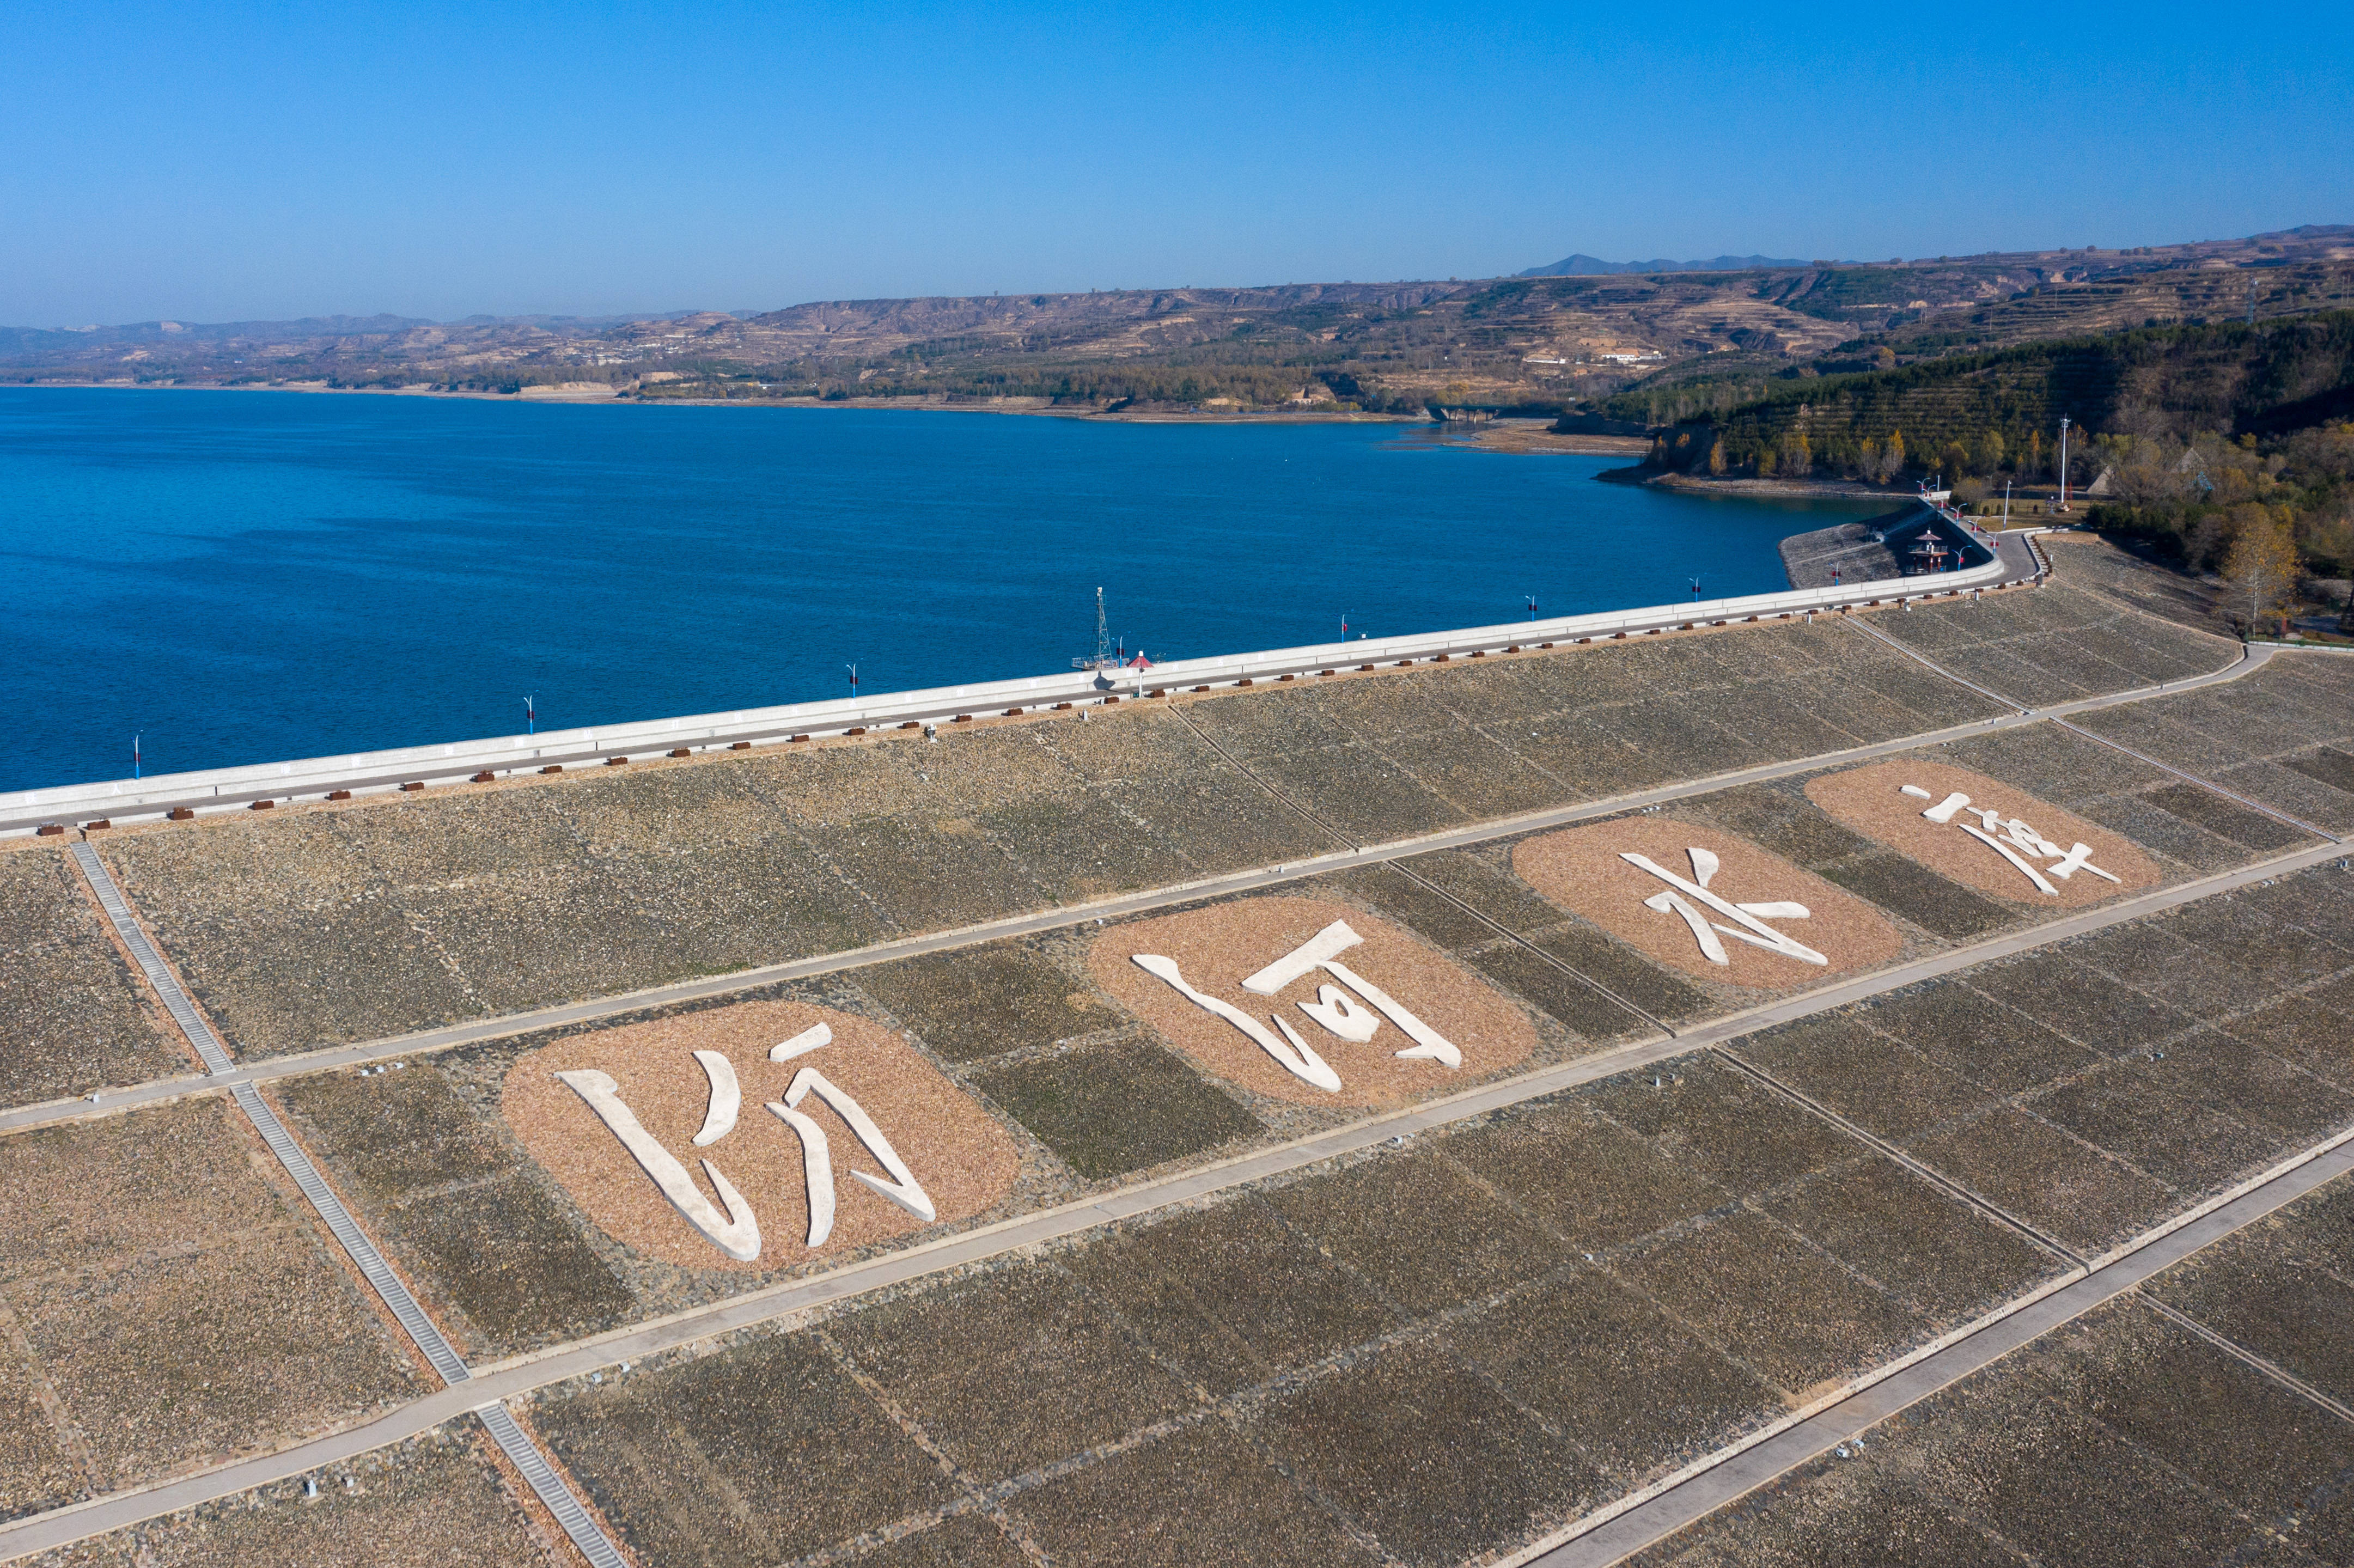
236 788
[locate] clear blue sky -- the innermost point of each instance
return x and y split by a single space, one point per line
213 163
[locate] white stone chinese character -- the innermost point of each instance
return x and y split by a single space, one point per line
737 1233
2018 840
817 1166
1748 920
1335 1008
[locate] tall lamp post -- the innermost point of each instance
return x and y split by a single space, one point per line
2063 462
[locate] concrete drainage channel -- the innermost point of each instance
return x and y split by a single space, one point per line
443 1357
188 795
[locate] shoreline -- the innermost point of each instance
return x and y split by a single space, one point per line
559 396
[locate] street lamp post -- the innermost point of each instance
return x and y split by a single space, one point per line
2063 462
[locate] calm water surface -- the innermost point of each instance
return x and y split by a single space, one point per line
246 577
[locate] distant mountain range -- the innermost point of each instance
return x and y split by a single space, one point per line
1576 330
1584 266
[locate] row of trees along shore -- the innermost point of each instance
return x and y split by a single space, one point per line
2194 438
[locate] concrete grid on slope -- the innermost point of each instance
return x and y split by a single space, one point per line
518 1375
578 1525
1438 1114
533 1020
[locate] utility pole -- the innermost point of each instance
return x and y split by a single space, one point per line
134 754
2006 505
1695 583
853 680
530 717
2063 462
1532 605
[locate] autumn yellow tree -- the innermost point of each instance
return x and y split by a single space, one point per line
1797 453
2262 566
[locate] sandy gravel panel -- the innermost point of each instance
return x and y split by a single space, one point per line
759 1453
1218 946
2308 1031
1089 845
84 1194
431 1502
2147 955
1582 870
1880 1084
73 1015
1626 1381
1821 1516
2028 1168
500 1261
1012 1370
2059 990
968 1540
1870 800
1999 1048
1722 1124
1584 1179
1794 1317
1943 1260
2121 1438
1116 1107
1356 791
185 1358
2226 820
1418 1230
983 1001
964 1159
1200 1497
929 875
2211 1416
39 1470
2279 1287
1232 1296
1430 1458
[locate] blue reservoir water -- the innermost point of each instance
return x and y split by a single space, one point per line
249 576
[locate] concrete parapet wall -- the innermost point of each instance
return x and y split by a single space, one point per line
25 812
